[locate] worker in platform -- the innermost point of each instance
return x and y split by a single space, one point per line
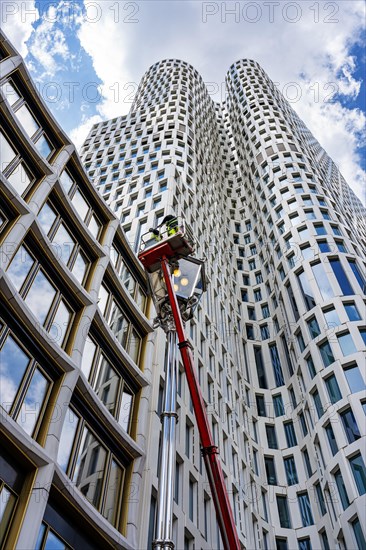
171 224
155 234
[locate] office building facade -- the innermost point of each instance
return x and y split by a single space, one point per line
74 337
277 338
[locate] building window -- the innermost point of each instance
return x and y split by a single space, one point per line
304 544
354 378
333 389
331 439
359 472
341 277
357 273
352 311
326 353
91 466
260 368
359 536
311 366
322 281
305 509
278 405
331 318
271 437
276 364
270 470
303 424
320 499
283 511
346 343
31 281
341 489
25 386
318 403
108 383
290 469
314 328
261 406
306 457
350 425
281 544
290 434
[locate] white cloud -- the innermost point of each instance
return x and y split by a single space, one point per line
79 134
17 18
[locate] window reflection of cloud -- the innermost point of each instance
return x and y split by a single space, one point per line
79 268
20 267
65 242
60 324
40 296
46 217
33 402
13 365
67 438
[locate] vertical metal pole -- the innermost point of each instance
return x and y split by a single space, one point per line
164 521
215 474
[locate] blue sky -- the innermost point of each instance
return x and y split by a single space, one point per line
87 58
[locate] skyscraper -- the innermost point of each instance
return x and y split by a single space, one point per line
277 339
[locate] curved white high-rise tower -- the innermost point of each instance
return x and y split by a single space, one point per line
279 337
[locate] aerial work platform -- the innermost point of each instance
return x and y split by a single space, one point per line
152 250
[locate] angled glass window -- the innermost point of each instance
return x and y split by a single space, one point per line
40 287
358 274
347 344
27 120
331 318
281 544
271 437
305 509
331 439
320 499
276 364
283 511
300 341
350 425
318 403
359 536
20 267
306 457
260 367
326 353
333 389
322 281
46 217
362 332
314 328
290 469
290 434
352 311
341 489
270 470
311 366
354 378
261 405
341 277
306 290
279 408
359 472
303 424
293 302
305 544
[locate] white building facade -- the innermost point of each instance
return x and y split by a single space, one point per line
279 337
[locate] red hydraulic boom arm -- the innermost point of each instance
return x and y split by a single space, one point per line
215 475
